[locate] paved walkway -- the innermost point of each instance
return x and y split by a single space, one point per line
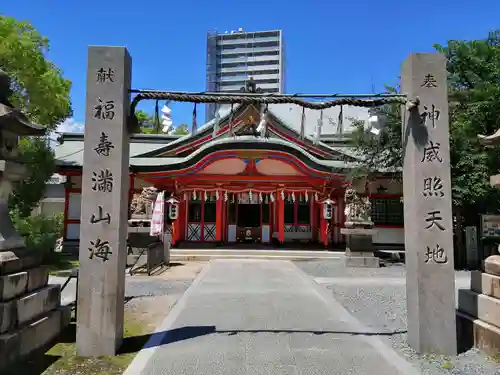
263 317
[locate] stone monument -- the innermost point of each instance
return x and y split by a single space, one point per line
479 307
358 231
430 274
30 311
105 189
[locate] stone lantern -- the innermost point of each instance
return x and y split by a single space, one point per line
478 306
358 231
30 312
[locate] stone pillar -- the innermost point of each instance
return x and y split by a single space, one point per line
430 282
105 189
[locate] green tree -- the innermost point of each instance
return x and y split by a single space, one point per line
146 122
39 87
474 99
181 129
39 90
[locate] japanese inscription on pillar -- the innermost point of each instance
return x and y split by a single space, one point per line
103 228
427 206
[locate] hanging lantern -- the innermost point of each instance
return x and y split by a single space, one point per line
328 209
225 196
173 208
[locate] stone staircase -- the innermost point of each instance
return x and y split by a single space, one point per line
478 313
30 313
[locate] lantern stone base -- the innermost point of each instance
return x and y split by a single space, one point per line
30 310
359 247
478 317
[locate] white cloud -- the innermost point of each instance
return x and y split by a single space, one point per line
70 126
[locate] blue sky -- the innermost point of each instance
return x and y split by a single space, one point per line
331 46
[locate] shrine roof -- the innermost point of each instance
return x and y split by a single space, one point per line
246 143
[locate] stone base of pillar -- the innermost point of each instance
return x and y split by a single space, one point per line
478 318
359 247
30 312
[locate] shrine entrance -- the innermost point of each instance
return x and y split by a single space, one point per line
299 173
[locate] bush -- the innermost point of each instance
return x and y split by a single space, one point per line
40 232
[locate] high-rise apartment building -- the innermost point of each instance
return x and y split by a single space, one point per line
235 56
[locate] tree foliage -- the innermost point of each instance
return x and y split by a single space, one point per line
39 87
474 94
42 93
40 166
181 129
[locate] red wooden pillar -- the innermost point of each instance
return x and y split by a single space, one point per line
281 218
218 219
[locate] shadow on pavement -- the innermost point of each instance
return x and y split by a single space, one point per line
189 332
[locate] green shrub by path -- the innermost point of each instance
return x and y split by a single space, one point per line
40 233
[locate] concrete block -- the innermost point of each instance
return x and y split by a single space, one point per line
39 332
37 278
18 311
485 283
480 306
481 335
492 265
38 303
17 260
13 285
360 261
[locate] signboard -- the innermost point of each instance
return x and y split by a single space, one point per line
490 225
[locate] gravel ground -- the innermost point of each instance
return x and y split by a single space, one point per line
384 307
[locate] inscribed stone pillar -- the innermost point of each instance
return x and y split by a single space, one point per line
105 189
430 282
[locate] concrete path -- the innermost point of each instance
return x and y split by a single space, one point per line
263 317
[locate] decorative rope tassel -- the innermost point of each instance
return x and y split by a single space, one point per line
157 125
282 195
319 125
231 133
316 197
217 195
232 198
194 126
303 124
262 128
250 196
225 196
340 125
260 198
217 123
266 200
306 197
194 195
271 197
293 197
206 196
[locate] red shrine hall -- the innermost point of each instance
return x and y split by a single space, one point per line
233 185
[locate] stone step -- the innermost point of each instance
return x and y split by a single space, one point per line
208 254
485 283
19 283
18 343
18 311
479 306
477 333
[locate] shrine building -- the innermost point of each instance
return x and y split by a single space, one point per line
227 179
